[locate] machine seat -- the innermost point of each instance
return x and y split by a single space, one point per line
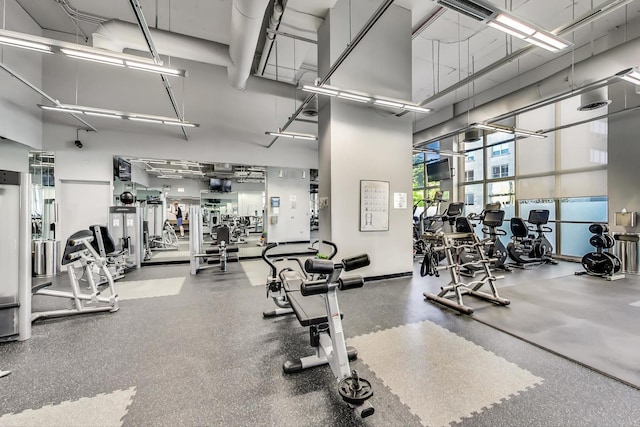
75 244
291 280
519 228
107 240
309 310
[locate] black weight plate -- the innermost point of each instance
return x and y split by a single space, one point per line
355 397
598 241
615 261
597 263
609 241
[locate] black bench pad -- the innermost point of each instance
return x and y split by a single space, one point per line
309 310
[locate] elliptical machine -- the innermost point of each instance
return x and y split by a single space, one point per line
529 249
491 218
600 263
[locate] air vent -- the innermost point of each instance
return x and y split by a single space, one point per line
594 99
472 9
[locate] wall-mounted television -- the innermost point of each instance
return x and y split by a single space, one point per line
438 170
226 185
122 169
215 184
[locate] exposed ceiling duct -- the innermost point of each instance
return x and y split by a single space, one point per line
595 68
246 23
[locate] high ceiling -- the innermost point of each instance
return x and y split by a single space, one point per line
447 47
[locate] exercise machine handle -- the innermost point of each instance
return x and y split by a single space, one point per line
334 248
272 267
314 288
350 282
318 266
354 262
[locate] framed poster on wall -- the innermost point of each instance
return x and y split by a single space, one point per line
374 205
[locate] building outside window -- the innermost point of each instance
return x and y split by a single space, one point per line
500 171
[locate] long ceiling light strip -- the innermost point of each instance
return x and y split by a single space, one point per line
518 132
85 53
293 135
365 98
497 18
113 114
631 75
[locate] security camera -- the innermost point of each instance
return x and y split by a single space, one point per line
78 143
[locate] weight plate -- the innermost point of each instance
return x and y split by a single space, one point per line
352 393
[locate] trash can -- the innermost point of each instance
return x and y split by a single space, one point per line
45 258
626 248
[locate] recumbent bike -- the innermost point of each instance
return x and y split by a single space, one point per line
527 248
315 304
491 218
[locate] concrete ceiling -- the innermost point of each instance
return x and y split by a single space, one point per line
449 49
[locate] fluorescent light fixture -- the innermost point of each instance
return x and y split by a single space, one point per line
540 44
552 41
61 109
495 17
416 108
518 132
25 44
319 89
293 135
512 22
353 97
113 114
108 115
87 56
176 123
170 176
365 98
505 29
151 68
387 103
145 120
87 53
630 75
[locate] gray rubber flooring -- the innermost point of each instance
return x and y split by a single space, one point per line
206 357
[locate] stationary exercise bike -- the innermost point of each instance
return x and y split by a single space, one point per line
491 218
601 263
528 249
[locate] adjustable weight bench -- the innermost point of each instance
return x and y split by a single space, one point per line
315 305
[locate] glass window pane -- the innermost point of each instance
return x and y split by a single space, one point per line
500 157
418 158
542 150
473 197
503 192
574 238
583 145
418 176
474 160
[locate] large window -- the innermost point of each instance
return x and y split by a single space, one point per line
500 171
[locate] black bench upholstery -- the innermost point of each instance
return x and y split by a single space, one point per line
291 280
309 310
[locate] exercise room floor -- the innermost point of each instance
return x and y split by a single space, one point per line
195 351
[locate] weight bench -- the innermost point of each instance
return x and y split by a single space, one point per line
315 304
105 246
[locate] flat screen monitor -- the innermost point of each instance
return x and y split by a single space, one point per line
124 170
226 186
438 170
215 184
493 218
538 216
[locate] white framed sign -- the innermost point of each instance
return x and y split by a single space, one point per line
374 205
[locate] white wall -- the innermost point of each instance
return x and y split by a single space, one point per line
358 142
249 202
13 156
293 217
20 117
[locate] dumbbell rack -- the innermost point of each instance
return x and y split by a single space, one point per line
609 264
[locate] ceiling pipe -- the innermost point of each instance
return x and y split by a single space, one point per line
274 23
598 67
246 23
118 35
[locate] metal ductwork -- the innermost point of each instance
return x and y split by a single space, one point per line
274 23
472 135
595 68
246 22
